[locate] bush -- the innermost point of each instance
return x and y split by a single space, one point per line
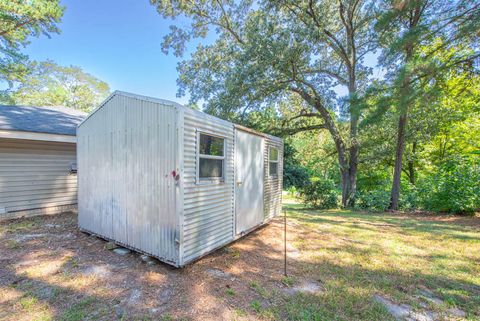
454 188
379 199
409 197
320 193
376 200
296 176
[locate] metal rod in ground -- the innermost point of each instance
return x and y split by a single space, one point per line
285 242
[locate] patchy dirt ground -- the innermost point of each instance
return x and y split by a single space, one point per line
50 270
343 265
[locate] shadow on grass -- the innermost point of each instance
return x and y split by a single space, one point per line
348 288
426 225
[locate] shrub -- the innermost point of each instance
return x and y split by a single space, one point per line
296 176
454 188
379 199
320 193
375 200
409 197
292 191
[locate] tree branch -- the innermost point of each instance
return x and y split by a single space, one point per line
292 131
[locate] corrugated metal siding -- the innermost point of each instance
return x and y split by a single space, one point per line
35 174
126 155
208 207
273 184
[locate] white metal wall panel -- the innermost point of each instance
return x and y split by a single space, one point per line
126 156
249 181
208 216
273 184
35 175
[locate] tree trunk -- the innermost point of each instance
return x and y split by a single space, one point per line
404 103
346 188
395 194
352 176
353 162
411 164
341 151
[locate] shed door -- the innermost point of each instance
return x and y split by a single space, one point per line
248 180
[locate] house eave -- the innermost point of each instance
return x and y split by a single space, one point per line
15 134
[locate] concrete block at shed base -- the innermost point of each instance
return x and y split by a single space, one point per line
111 246
148 259
121 251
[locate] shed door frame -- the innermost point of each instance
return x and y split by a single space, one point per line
249 181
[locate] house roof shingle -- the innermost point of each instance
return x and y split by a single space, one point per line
51 120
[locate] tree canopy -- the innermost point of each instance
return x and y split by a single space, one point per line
279 65
49 84
19 21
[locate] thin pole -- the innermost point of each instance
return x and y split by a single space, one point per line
285 242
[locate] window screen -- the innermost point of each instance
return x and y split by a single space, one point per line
273 161
211 168
211 155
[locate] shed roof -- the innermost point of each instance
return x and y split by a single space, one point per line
174 104
51 120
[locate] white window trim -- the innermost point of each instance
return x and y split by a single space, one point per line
273 161
210 180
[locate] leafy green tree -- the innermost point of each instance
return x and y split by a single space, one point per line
20 20
269 51
52 85
445 126
406 26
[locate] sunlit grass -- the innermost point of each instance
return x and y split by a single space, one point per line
360 254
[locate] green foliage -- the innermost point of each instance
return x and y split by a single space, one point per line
453 188
256 306
295 176
272 66
321 193
20 20
378 199
50 84
230 292
375 200
79 310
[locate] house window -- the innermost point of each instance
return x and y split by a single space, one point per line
211 156
273 161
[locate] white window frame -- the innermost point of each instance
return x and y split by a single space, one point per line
209 180
273 161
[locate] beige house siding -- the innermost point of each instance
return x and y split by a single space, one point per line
35 177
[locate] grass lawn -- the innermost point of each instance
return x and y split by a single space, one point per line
341 265
398 256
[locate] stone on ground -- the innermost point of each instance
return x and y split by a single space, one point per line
457 312
220 274
398 311
121 251
101 271
148 259
305 286
111 246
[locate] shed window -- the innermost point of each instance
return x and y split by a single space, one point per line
273 161
211 155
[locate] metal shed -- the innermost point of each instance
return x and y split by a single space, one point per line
173 182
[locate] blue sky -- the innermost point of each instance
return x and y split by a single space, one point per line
116 41
119 41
